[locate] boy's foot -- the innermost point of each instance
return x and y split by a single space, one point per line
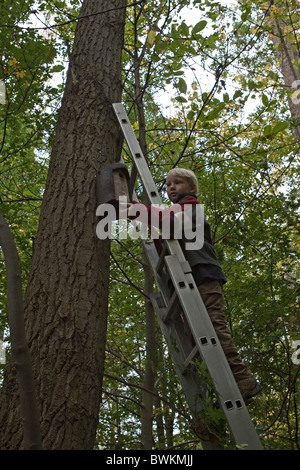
249 394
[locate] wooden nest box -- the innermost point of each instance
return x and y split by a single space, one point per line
112 182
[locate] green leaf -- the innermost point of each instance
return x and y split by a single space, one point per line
57 68
280 126
252 85
237 94
185 29
268 130
265 100
199 27
215 112
180 99
28 193
174 32
160 45
273 75
182 86
245 15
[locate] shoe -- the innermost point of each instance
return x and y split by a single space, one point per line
248 395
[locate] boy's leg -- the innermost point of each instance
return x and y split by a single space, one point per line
212 295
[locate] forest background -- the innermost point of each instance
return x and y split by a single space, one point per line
205 88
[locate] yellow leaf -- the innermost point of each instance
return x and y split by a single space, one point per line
151 37
20 73
12 62
275 10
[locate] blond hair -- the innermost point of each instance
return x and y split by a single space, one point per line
189 175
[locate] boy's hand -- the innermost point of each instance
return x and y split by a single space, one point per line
124 208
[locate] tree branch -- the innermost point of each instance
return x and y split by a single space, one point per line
19 346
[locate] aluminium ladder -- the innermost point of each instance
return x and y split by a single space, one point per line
186 300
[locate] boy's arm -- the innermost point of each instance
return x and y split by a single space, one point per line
170 220
156 216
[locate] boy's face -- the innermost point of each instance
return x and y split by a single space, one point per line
178 185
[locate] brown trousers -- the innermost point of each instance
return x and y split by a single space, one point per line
212 296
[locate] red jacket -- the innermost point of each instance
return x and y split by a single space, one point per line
163 217
203 260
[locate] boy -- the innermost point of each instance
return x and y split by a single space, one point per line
182 187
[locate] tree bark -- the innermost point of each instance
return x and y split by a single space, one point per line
287 47
67 294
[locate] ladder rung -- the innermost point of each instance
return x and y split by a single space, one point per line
190 357
161 260
172 308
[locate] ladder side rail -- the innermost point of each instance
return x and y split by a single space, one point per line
211 351
137 154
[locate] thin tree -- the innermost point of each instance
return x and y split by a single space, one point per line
283 18
19 346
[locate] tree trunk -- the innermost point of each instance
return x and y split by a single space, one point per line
284 38
67 293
